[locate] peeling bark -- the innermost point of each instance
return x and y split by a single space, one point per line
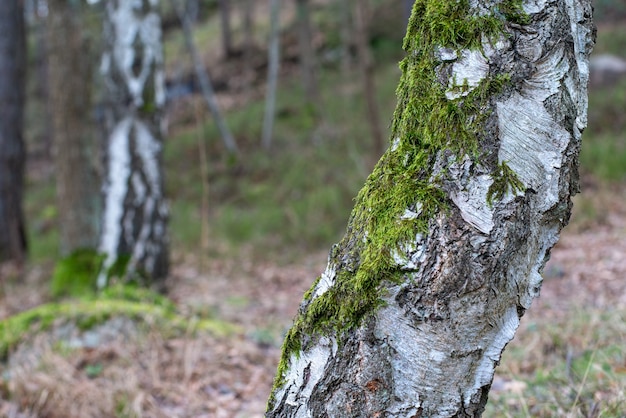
135 212
449 296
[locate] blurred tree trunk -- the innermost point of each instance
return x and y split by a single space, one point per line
408 5
12 149
41 74
248 43
366 65
192 10
248 24
135 212
346 30
307 54
205 82
448 238
227 31
70 106
272 74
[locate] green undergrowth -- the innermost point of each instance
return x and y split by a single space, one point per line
296 196
138 304
42 216
425 124
603 152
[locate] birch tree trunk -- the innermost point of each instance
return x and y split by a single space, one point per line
135 212
12 147
446 244
70 105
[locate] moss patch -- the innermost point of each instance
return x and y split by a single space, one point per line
425 124
138 304
76 275
504 180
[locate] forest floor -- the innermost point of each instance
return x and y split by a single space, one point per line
567 359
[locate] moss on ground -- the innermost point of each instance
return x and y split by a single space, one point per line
426 123
135 303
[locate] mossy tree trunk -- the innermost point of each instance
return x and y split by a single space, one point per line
446 244
135 212
12 147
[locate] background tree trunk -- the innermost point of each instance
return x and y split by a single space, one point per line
307 54
248 25
70 72
248 43
366 66
227 31
205 82
135 212
446 244
345 32
272 74
12 148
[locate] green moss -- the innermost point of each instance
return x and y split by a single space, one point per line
135 303
76 274
426 123
504 180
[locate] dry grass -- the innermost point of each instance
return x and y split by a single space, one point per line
146 375
146 370
568 358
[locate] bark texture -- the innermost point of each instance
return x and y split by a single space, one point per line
446 244
12 148
70 74
135 212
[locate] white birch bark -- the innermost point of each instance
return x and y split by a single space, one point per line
452 296
135 212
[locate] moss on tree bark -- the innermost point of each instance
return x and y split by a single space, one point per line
448 237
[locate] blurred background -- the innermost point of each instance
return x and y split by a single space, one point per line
257 197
